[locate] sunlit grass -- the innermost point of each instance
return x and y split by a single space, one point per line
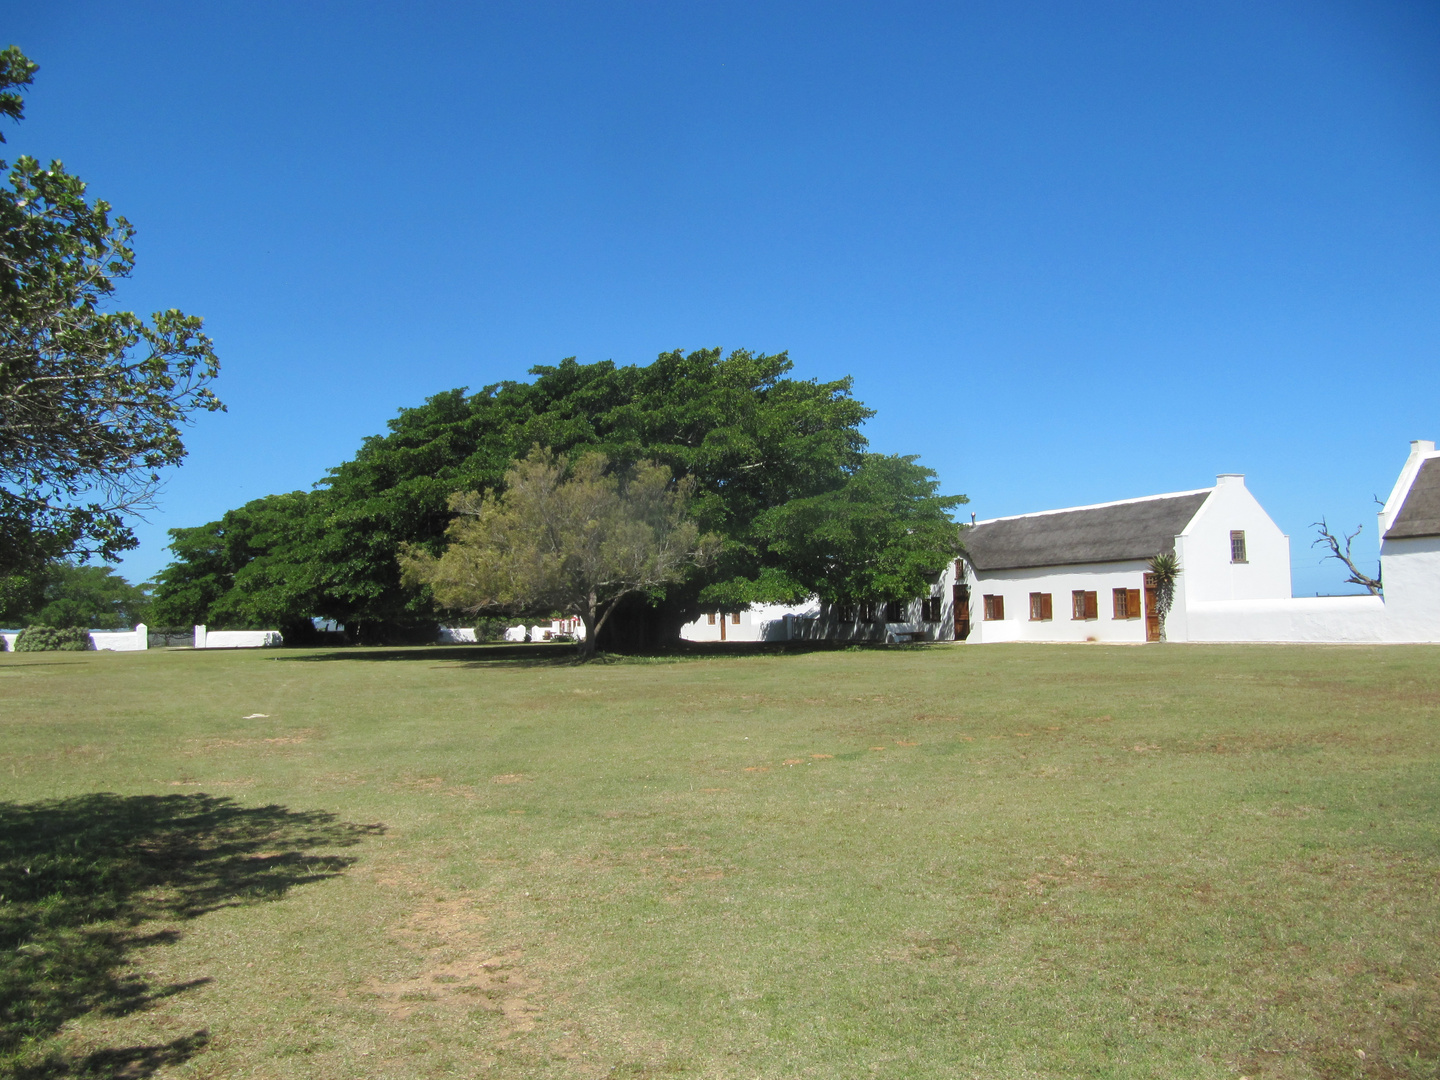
915 862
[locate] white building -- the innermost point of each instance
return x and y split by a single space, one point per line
760 622
1409 530
1080 574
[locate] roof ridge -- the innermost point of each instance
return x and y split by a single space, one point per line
1096 506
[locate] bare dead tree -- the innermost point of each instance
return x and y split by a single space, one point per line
1329 540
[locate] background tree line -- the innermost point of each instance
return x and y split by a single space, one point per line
776 469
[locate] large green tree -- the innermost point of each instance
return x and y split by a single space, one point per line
91 401
255 568
574 537
751 438
69 595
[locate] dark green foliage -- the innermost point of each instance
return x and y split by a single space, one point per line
78 879
258 567
15 70
54 639
91 400
64 594
875 538
753 439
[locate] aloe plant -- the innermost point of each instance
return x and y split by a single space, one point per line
1164 572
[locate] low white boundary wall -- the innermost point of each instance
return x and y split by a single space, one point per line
136 640
1319 619
236 639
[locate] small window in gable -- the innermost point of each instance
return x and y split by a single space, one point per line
1237 545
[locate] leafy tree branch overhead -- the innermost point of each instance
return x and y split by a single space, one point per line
91 401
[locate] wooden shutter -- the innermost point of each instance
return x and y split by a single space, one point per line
1132 603
1047 606
1092 605
1000 607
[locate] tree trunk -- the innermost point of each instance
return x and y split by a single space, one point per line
585 647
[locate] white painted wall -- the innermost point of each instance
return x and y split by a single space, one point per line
136 640
1410 569
761 622
1409 611
1204 549
1315 619
1060 582
236 639
456 635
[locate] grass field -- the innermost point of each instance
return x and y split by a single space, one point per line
942 861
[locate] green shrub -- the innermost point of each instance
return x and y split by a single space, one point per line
50 639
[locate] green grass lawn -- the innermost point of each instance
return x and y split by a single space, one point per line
943 861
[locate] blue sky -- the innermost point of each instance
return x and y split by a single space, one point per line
1072 252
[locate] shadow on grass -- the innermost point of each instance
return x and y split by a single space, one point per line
80 876
536 655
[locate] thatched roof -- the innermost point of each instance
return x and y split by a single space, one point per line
1111 532
1420 512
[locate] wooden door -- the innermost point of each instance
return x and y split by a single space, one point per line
962 612
1152 609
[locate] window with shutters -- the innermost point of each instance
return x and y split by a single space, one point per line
994 607
1041 607
710 618
845 612
735 618
895 610
1237 545
1084 605
930 609
1122 603
867 611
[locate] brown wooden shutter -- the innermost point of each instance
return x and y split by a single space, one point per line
1092 605
1132 603
1047 606
1000 607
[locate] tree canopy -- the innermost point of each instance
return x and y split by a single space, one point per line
569 537
91 401
65 594
750 438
